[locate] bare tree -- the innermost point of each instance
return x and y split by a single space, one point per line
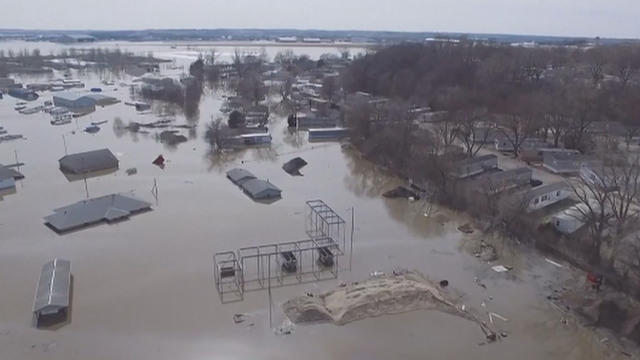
472 130
592 210
624 181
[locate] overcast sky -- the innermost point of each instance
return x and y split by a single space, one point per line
606 18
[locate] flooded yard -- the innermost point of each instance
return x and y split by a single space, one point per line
144 288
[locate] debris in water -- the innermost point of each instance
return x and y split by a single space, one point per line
239 318
466 228
131 171
159 161
500 268
294 165
401 192
286 328
553 262
444 283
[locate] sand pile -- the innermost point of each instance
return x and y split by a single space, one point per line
388 294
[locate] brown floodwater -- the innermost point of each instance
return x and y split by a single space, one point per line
143 288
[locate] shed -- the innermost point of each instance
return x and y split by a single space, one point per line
90 161
570 220
239 176
54 290
109 208
260 189
474 166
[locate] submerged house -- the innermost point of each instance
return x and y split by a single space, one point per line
546 195
75 101
474 166
108 208
52 298
261 189
8 178
239 176
87 162
328 134
23 94
252 186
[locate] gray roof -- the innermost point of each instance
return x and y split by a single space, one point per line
6 173
106 208
545 189
475 160
52 293
89 161
259 189
71 95
238 175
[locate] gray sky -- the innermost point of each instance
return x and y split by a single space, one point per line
607 18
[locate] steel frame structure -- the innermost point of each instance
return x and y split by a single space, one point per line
321 221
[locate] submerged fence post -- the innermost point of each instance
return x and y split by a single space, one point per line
351 241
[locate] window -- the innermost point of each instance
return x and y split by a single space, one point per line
536 201
558 193
544 198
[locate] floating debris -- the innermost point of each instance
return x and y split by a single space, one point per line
466 228
131 171
294 165
401 192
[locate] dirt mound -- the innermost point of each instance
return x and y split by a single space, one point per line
392 294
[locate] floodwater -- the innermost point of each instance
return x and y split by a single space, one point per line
144 289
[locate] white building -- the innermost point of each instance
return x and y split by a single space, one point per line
546 195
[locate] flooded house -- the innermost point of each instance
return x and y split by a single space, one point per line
76 102
108 208
502 143
239 176
88 162
254 139
328 134
474 166
564 162
52 299
545 195
8 178
311 121
23 94
257 189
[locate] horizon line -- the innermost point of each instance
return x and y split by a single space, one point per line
457 33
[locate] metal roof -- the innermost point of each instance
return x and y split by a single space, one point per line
257 188
6 173
106 208
238 175
72 96
546 189
52 293
89 161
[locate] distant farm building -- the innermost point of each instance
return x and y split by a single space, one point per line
109 208
470 167
53 293
87 162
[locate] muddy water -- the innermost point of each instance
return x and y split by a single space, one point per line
143 288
